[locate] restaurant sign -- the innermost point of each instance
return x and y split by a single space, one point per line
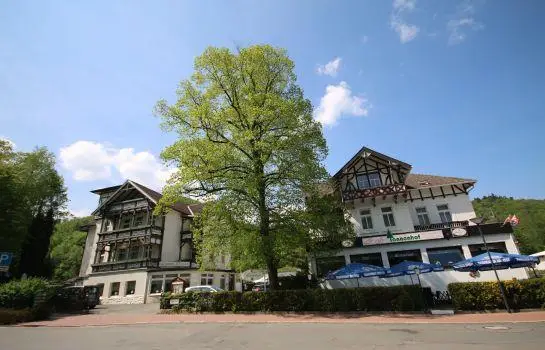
402 238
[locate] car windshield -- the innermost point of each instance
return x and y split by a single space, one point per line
217 289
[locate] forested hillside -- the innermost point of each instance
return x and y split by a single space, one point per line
531 212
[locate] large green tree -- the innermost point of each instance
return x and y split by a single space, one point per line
32 197
248 143
67 246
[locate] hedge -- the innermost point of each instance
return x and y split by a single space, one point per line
25 300
523 294
20 294
398 298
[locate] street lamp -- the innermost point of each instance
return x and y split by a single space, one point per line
479 222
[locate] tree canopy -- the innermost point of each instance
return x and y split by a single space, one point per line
249 145
32 197
67 246
530 232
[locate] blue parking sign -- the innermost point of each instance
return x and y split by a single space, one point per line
5 258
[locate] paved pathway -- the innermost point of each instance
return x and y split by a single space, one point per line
282 336
103 319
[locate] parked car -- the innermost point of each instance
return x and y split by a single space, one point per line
260 287
74 298
204 289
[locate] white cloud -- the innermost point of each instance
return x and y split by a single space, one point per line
79 213
402 5
398 23
89 161
330 68
462 22
338 101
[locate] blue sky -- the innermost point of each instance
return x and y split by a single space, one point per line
455 88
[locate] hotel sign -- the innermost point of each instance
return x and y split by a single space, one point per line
402 238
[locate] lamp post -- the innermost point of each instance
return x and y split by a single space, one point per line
478 222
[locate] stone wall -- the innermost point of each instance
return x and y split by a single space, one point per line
128 299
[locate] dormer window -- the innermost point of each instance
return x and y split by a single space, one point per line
368 180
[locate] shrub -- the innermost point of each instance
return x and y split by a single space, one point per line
20 294
399 298
11 316
486 295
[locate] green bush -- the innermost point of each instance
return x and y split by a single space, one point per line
399 298
20 294
522 294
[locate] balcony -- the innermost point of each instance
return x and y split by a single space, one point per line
374 192
125 265
128 233
440 226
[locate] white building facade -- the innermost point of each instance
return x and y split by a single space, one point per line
134 255
402 216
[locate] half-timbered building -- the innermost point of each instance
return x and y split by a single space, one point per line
399 215
134 254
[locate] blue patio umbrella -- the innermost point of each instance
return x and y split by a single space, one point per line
355 270
501 261
411 268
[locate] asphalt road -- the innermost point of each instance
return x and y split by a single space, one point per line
224 336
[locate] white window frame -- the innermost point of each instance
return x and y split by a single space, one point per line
423 217
443 213
365 216
208 278
388 216
375 182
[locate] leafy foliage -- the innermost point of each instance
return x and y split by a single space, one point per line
398 298
67 246
32 197
531 230
486 295
20 294
247 141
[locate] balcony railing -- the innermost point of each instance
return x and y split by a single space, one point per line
442 225
125 265
131 232
374 192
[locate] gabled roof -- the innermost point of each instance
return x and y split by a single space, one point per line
423 181
376 154
106 189
152 195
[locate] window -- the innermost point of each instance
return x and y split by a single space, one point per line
136 251
168 281
139 219
130 287
477 249
156 285
388 217
410 255
100 287
370 259
207 279
444 213
368 180
423 218
363 181
366 221
122 252
114 288
445 256
374 179
327 264
186 251
126 221
222 282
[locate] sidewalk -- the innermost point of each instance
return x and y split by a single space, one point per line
126 319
